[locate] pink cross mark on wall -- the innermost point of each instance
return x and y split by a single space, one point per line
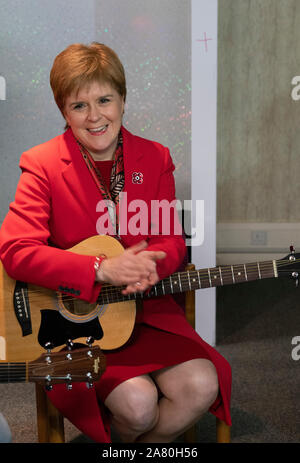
204 40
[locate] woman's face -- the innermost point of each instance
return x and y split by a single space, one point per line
94 114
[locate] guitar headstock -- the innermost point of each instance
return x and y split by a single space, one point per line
290 265
85 364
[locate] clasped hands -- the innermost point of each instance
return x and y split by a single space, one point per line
135 268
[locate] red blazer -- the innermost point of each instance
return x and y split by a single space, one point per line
55 204
56 201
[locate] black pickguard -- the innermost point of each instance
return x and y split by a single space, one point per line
57 330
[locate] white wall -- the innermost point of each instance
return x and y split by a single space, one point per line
204 105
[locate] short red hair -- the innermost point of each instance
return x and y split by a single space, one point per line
79 65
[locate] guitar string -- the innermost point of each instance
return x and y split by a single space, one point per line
8 375
12 371
226 271
109 295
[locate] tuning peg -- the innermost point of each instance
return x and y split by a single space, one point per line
89 384
90 341
49 386
69 344
292 255
69 382
295 275
48 346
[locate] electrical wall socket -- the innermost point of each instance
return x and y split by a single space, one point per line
259 237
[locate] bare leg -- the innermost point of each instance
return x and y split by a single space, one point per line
134 408
189 389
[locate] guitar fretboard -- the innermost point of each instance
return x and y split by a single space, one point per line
12 372
195 279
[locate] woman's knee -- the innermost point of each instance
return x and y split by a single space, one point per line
136 406
193 383
143 410
203 384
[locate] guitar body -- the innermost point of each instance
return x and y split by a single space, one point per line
13 347
116 319
55 317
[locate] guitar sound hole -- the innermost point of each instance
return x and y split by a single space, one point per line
77 306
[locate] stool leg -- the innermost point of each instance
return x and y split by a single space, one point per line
50 422
56 425
42 411
223 432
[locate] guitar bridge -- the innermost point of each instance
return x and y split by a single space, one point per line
22 307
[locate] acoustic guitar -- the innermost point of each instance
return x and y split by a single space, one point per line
31 316
68 366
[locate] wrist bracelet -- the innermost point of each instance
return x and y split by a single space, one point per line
98 261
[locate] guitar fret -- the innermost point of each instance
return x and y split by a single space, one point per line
209 277
275 269
199 279
205 279
163 286
221 279
171 284
252 272
179 279
240 273
259 271
188 274
246 276
233 279
267 269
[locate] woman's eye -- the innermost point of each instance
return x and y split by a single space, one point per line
78 106
104 100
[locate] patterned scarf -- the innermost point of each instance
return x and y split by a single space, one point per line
117 178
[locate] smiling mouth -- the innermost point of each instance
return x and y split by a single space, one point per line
98 129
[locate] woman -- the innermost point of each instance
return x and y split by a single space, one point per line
165 377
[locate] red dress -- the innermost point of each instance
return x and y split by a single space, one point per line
147 350
56 203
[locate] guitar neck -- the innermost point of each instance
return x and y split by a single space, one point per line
13 372
195 279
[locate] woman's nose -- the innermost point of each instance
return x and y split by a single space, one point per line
94 113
